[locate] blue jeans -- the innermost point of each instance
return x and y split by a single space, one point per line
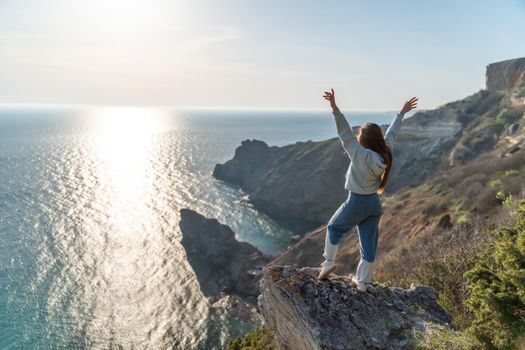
363 210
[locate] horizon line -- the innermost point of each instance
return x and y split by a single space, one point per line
145 106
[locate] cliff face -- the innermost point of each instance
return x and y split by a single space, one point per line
505 75
428 137
222 264
309 314
509 77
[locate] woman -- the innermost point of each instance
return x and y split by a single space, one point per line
370 163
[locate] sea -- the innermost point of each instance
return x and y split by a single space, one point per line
90 246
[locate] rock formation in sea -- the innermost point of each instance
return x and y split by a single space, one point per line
301 185
309 314
223 265
293 184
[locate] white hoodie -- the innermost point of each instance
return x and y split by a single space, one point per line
366 166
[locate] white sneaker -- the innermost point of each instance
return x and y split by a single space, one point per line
327 267
365 271
330 252
360 285
369 273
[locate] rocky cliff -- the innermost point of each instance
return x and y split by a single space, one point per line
294 184
222 264
307 314
508 77
301 185
505 75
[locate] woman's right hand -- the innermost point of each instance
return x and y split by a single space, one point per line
409 105
330 96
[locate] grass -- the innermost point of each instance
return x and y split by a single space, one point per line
441 338
513 172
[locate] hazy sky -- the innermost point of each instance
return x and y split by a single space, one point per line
248 53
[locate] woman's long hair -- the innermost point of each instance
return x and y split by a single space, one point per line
371 137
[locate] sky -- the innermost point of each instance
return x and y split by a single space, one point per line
252 54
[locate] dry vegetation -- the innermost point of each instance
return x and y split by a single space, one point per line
467 200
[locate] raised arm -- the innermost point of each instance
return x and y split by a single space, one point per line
391 132
344 131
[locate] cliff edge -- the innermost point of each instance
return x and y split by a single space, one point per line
308 314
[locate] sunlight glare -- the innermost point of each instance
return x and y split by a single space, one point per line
130 20
122 126
125 149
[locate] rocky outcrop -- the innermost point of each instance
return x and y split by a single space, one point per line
307 314
505 75
248 166
222 264
508 77
297 185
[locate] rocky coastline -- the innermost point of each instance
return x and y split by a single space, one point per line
446 161
222 264
301 185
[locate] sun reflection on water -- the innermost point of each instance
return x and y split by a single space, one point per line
129 284
124 149
101 215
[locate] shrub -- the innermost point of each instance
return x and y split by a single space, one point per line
430 209
512 172
507 117
497 285
261 338
496 184
444 272
438 260
486 199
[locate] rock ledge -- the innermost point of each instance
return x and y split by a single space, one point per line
306 313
